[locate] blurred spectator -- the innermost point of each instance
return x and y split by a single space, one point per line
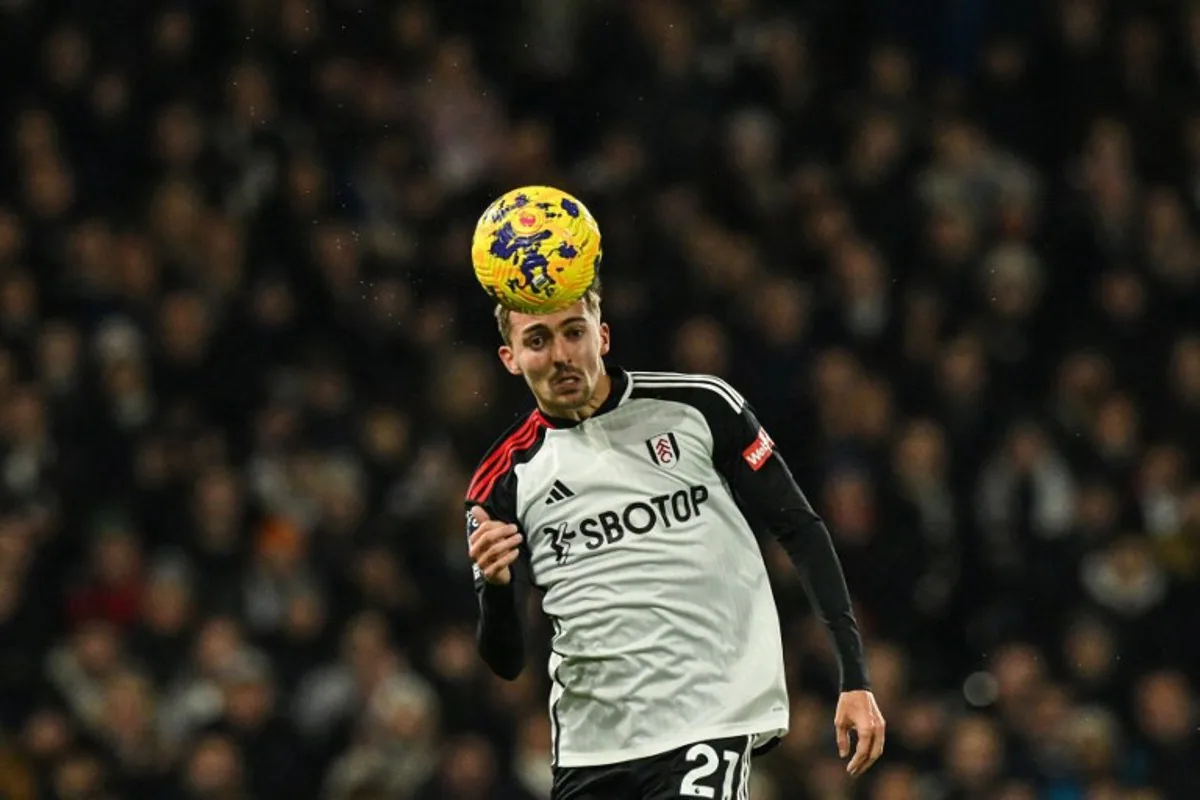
1166 726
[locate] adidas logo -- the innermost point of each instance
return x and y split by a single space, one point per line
558 492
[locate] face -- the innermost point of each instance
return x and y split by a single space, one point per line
559 355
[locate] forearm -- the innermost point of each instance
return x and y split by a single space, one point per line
776 504
500 635
808 544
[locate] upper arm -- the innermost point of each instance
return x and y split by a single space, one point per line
762 484
741 445
494 484
743 452
500 504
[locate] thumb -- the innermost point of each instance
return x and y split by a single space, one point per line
479 515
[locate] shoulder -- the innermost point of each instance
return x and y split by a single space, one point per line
729 418
515 445
708 393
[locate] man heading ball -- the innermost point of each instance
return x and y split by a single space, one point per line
632 501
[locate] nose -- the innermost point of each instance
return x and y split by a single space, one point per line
561 351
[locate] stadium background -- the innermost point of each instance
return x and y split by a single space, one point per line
948 249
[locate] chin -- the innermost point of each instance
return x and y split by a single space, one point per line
568 400
571 400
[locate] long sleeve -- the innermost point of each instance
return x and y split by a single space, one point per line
772 502
500 633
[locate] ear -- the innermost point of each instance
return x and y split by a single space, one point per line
605 338
509 359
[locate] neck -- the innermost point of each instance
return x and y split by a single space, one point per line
580 413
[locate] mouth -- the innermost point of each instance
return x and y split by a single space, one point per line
566 382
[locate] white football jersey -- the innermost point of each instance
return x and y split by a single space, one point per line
665 628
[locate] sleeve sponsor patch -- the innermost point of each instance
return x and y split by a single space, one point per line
758 451
472 526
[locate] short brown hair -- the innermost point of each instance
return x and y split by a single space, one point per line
591 303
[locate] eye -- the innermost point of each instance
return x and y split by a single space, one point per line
535 342
575 333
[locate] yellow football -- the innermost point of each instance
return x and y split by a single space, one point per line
536 250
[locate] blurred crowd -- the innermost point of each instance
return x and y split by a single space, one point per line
949 250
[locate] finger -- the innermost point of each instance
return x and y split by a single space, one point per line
493 530
500 549
500 565
843 739
506 560
480 515
876 746
866 740
488 537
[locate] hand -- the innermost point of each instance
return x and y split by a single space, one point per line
494 547
858 712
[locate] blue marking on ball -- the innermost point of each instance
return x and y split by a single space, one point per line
535 273
506 243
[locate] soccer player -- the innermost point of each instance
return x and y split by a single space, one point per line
630 501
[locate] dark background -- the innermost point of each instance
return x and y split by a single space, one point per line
947 249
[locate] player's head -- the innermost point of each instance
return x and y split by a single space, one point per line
560 355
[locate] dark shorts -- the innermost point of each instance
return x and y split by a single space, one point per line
718 769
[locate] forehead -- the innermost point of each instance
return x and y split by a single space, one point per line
522 322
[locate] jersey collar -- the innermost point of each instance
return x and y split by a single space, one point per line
620 391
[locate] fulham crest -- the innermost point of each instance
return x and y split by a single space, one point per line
664 450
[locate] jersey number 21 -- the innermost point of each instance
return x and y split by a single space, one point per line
706 754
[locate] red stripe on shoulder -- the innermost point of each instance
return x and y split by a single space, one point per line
484 482
498 450
500 460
